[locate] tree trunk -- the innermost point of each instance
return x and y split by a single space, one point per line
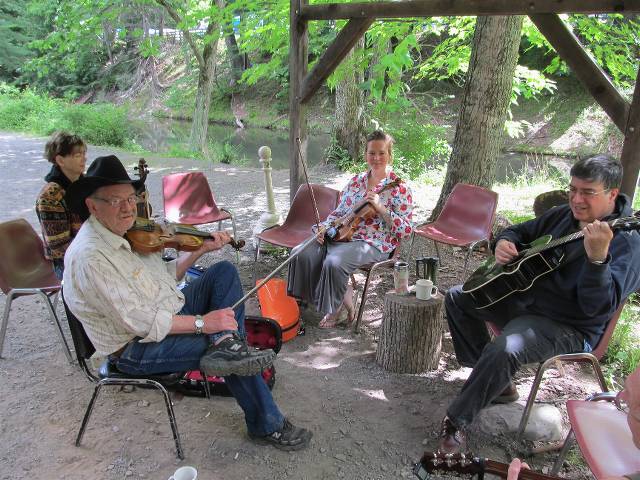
485 101
236 62
200 123
411 334
349 122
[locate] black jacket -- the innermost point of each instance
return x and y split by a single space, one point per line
580 293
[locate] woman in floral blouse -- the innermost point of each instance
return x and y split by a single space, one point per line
68 154
320 274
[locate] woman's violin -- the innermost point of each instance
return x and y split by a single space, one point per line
343 228
147 236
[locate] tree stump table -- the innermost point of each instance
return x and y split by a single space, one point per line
410 334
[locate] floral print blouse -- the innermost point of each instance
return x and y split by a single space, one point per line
397 200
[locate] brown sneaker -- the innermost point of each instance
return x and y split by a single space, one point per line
452 439
510 394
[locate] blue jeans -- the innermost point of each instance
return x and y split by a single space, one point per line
218 287
525 338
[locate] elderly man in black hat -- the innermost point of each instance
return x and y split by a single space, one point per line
132 311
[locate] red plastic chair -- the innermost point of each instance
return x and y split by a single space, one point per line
465 220
301 217
603 435
593 358
25 271
189 199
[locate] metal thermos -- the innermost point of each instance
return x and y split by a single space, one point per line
401 278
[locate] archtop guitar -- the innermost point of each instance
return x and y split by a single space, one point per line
492 282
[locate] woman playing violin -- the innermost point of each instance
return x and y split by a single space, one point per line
320 273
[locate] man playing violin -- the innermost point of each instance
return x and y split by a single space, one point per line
320 273
132 311
564 311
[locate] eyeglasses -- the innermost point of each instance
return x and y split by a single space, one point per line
118 202
621 403
585 192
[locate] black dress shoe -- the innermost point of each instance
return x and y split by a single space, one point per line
452 439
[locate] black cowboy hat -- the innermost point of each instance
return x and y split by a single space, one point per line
103 171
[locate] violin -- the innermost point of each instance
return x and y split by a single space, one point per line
343 228
147 236
143 207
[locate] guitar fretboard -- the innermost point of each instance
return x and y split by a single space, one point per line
613 224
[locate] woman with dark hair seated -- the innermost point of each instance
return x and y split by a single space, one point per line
68 154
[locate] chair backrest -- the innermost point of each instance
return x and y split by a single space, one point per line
302 214
187 195
548 200
470 209
22 261
603 344
84 347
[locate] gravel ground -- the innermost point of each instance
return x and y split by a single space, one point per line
367 423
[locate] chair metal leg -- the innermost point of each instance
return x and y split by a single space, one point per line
363 299
56 321
557 465
255 261
87 414
172 418
142 381
233 223
413 238
438 253
207 390
5 320
532 397
598 371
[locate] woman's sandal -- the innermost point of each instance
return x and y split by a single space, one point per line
336 319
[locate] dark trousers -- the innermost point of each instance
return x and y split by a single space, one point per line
218 287
525 338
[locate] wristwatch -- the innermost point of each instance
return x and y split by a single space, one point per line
199 323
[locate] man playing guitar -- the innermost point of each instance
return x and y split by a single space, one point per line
564 311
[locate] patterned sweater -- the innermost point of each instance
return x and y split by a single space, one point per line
59 225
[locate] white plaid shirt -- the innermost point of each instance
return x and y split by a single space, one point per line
116 293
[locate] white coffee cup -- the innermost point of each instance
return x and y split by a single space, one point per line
184 473
425 289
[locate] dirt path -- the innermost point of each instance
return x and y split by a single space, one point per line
367 423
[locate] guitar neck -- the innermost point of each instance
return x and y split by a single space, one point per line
501 469
613 224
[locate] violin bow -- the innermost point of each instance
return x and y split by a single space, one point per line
306 178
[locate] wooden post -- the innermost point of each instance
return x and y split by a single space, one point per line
410 334
298 64
630 157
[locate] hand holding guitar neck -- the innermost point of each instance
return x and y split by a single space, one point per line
469 464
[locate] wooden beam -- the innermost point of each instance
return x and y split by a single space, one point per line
630 157
335 53
445 8
298 64
586 69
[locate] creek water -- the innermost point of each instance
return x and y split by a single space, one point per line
161 134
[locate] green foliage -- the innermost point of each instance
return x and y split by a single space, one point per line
418 147
613 40
224 152
99 124
623 354
339 156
